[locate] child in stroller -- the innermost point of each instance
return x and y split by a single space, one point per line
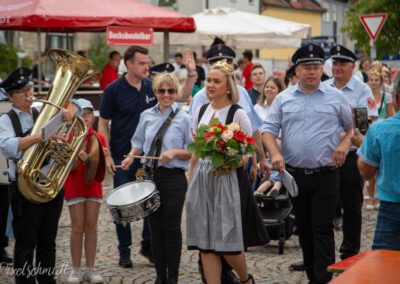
275 207
271 186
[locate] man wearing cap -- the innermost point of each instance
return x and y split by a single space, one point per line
351 182
122 103
310 116
161 68
109 73
34 225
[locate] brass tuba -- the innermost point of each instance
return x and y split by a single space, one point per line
45 166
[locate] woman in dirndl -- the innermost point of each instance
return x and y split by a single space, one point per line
216 205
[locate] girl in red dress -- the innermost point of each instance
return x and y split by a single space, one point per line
84 204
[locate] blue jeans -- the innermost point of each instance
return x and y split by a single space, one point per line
387 232
124 231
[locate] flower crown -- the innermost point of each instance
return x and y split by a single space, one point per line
224 66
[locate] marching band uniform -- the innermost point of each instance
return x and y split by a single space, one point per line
35 225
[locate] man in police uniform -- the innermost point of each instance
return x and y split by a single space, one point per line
311 116
34 225
351 182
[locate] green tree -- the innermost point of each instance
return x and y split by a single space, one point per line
389 38
98 51
8 59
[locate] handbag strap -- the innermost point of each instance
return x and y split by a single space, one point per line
155 148
383 101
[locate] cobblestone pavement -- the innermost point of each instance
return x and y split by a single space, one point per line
264 263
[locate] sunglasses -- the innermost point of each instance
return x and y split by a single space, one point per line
163 91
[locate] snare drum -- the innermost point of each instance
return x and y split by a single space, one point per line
133 201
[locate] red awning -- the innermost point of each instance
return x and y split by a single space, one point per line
88 16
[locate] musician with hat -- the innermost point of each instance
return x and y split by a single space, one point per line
34 225
83 196
351 183
310 117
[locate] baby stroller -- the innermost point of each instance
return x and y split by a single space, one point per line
277 216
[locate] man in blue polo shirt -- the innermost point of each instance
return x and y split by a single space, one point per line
122 103
380 153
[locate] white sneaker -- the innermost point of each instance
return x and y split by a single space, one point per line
92 276
75 276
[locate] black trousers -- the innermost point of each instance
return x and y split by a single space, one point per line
314 209
4 203
351 201
165 223
35 227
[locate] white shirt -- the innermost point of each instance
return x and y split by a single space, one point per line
262 110
240 117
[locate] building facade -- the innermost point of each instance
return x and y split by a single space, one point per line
193 7
334 18
301 11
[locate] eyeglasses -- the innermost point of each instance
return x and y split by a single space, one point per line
163 91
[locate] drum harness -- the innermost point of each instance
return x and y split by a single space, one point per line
146 172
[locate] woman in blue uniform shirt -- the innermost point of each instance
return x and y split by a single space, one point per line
169 175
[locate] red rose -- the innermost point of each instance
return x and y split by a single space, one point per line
250 140
239 136
221 144
208 135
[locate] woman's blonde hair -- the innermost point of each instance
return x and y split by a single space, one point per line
228 71
168 79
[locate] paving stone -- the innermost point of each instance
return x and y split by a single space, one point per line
264 263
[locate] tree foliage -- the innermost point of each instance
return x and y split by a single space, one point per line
388 41
98 51
8 59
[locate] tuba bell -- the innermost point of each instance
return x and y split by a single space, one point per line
44 167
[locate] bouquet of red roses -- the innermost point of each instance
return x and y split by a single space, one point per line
225 145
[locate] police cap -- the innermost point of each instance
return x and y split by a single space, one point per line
219 52
342 54
161 68
17 79
308 54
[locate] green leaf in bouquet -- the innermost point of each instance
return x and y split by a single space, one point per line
217 160
215 120
233 144
192 147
